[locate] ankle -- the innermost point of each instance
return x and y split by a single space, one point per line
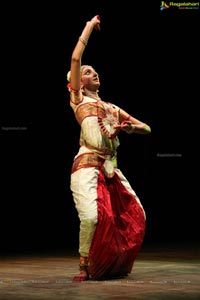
83 267
83 262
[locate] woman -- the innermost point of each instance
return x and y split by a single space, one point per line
112 219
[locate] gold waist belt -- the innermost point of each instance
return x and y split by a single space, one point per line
87 160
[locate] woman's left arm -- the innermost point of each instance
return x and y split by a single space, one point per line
130 124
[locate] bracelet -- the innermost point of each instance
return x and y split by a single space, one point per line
83 41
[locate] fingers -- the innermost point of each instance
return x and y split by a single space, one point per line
123 125
97 26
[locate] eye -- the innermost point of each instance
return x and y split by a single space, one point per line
87 72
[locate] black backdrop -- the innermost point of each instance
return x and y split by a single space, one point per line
148 65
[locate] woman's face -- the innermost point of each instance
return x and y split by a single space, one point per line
90 78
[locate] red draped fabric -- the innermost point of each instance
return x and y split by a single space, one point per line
119 233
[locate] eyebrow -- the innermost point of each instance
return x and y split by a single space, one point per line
88 69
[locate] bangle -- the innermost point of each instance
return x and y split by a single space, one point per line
83 41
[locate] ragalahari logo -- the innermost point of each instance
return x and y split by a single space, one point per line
164 5
179 5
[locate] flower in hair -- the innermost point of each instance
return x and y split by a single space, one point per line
69 86
69 76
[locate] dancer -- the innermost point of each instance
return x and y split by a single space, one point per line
112 218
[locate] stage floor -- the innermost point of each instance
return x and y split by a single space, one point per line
159 272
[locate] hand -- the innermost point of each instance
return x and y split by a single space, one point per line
96 21
126 126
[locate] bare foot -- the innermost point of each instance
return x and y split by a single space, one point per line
82 276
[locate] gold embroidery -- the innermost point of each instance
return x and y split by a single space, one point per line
87 160
107 116
89 109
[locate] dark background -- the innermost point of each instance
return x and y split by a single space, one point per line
148 63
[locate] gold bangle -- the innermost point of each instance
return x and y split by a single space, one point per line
83 41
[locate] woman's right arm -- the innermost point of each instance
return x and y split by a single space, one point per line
75 75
